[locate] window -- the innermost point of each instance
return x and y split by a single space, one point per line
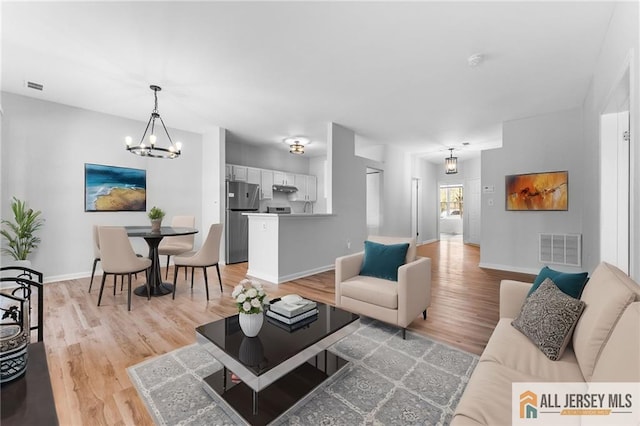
451 201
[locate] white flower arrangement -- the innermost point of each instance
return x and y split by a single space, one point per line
249 296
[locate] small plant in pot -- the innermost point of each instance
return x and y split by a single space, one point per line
156 214
21 232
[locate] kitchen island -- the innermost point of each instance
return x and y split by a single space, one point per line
283 247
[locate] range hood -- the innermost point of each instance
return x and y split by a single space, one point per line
285 188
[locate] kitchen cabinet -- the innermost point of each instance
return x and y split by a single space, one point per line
307 190
283 178
266 185
253 175
238 173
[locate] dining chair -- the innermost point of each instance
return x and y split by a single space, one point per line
173 246
118 258
208 255
96 258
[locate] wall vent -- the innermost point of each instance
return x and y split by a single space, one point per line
34 85
560 249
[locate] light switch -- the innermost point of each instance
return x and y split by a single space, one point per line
490 201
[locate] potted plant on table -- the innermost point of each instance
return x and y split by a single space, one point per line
156 214
248 295
20 233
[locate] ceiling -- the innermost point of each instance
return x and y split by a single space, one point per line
395 73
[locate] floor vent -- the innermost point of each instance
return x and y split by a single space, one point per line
560 249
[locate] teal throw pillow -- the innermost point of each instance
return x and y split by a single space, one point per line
570 284
383 261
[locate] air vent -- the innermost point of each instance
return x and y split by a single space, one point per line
560 249
34 85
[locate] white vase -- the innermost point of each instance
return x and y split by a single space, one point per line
251 323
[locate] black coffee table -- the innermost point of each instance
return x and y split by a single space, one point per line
276 368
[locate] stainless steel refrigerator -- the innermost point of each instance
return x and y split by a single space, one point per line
242 197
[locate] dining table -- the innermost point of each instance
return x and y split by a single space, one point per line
153 238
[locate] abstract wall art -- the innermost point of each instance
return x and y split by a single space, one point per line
111 188
537 191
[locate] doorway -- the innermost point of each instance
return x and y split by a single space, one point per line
615 157
451 211
416 209
373 200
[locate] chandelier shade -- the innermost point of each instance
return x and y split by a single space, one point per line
297 144
148 147
451 163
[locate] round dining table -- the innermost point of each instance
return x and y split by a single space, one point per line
153 238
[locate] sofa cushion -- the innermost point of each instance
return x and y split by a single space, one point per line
619 360
548 318
608 294
571 284
411 252
383 261
371 290
487 397
509 347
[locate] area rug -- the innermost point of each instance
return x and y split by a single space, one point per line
388 381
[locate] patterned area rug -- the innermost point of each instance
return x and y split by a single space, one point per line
388 381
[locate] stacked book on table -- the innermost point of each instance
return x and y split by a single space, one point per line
292 315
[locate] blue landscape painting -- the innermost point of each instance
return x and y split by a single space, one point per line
111 188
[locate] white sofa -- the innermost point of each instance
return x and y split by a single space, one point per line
605 348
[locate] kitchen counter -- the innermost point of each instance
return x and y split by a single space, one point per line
290 214
284 247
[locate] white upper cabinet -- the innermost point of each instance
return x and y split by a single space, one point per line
266 185
283 178
253 175
307 190
312 188
239 173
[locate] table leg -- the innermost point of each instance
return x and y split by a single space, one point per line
158 288
255 402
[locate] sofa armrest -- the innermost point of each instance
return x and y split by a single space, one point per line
414 289
347 267
512 297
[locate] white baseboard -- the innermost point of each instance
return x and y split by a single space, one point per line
509 268
74 276
433 240
273 279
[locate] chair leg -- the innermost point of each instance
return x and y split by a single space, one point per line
122 282
206 281
93 272
185 272
104 277
166 276
424 314
404 334
175 279
219 278
115 283
128 285
192 269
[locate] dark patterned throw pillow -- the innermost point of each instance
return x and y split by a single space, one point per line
548 318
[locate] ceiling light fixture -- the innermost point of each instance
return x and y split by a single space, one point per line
297 144
451 163
476 60
151 149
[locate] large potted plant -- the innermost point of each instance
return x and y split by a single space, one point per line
21 232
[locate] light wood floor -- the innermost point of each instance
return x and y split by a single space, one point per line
90 347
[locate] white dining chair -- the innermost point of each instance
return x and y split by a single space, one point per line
118 258
173 246
208 255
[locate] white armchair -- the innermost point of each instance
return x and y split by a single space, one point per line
394 303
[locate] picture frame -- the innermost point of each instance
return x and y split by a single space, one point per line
543 191
114 188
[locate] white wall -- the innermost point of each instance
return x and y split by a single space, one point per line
264 157
550 142
44 148
620 48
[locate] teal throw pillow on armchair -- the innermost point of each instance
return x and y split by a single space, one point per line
571 284
383 261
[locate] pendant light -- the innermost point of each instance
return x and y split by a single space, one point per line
451 163
148 148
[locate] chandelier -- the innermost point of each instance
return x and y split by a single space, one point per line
451 163
297 144
149 148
